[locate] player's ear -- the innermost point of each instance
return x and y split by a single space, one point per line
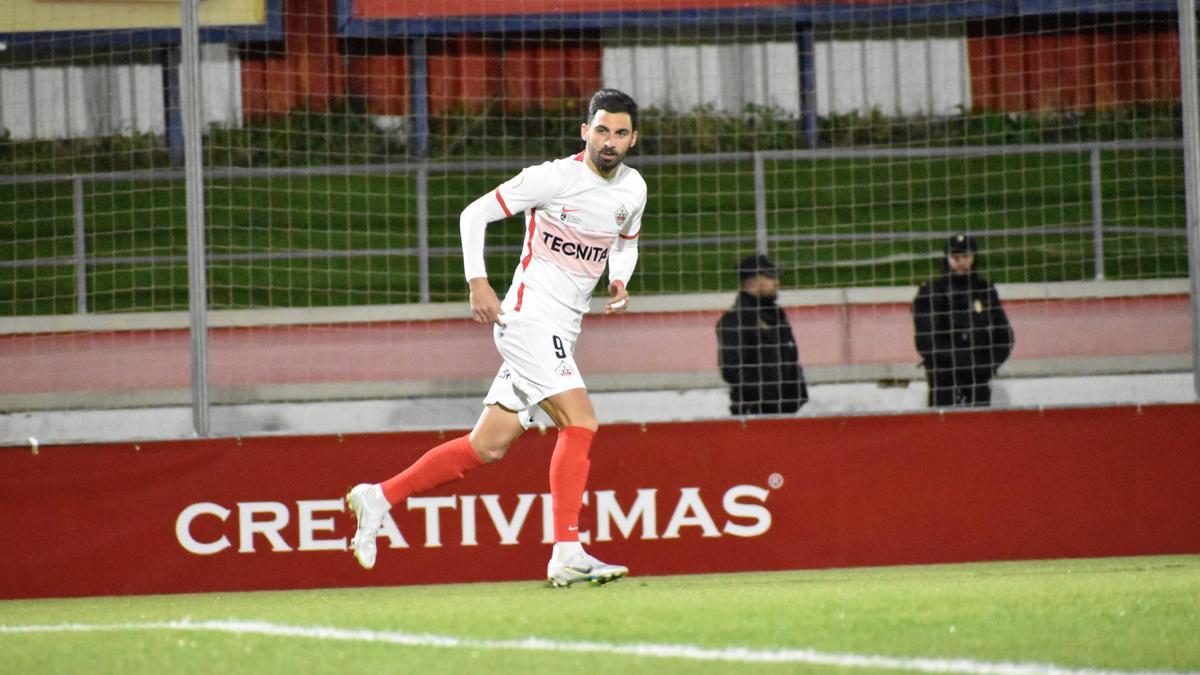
583 129
633 139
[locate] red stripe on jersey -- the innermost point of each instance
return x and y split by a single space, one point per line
630 236
528 256
579 157
502 204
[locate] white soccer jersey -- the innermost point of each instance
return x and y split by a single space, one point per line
576 222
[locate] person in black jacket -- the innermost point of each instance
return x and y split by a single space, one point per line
756 349
962 332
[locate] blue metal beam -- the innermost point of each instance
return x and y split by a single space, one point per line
418 71
808 83
172 105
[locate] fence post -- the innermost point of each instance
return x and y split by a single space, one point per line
760 204
423 231
189 80
1191 168
81 288
1097 215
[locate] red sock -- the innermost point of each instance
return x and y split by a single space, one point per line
568 477
447 462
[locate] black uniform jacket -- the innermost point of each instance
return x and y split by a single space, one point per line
960 325
758 357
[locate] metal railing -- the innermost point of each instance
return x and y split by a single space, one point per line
421 170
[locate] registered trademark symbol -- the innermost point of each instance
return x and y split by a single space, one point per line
775 481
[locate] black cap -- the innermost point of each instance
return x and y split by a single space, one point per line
961 243
755 265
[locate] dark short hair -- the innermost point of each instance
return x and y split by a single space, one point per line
614 101
961 243
756 265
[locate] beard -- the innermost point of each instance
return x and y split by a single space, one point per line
606 162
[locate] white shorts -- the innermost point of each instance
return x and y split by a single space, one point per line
539 362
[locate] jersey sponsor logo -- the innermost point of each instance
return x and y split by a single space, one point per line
574 250
566 216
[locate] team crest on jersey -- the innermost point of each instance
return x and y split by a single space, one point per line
564 370
621 215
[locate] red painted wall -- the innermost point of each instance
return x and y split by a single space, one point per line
1026 65
448 350
305 74
1023 70
465 73
195 516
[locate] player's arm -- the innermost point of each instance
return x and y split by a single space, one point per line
485 304
622 260
525 190
472 225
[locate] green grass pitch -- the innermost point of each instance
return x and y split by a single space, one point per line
1084 616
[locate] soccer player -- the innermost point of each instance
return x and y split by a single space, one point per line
581 213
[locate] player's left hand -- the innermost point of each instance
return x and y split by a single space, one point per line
618 300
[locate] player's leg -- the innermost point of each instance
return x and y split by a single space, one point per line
494 432
571 408
572 412
541 369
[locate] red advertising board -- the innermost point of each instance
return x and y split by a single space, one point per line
265 513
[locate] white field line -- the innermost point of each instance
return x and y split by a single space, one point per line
534 644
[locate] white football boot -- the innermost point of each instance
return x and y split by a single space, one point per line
367 503
582 567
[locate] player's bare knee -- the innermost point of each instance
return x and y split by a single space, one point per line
589 423
489 453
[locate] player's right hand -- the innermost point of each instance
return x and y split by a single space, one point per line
485 306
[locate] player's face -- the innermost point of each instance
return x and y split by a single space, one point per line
609 136
961 263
